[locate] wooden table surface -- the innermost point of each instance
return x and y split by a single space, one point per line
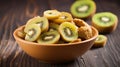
14 13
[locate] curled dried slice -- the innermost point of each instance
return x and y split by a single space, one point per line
84 32
21 34
84 29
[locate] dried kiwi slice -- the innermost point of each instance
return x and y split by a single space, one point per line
68 31
80 22
65 16
51 14
32 32
50 37
21 34
83 8
100 41
53 26
105 22
42 22
84 32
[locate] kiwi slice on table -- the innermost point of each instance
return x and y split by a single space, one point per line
53 27
100 41
83 8
50 37
42 22
105 22
68 31
51 14
65 16
32 32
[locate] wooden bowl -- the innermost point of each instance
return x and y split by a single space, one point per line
55 53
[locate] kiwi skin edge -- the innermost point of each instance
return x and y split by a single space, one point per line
105 30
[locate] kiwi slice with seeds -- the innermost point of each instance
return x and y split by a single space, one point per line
68 31
42 22
50 37
53 27
100 41
83 8
65 16
32 32
51 14
105 22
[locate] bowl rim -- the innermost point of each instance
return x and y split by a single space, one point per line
64 44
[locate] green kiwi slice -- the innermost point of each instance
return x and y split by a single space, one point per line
42 22
50 37
32 32
83 8
100 41
105 22
53 27
68 31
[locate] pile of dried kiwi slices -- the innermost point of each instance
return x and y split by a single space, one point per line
55 27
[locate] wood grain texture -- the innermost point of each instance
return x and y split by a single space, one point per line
14 13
